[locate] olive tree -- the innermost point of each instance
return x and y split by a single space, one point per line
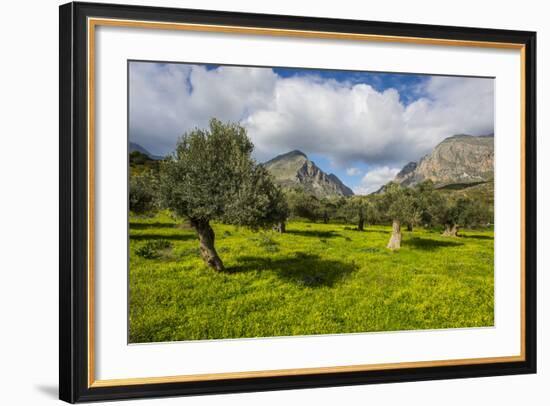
401 207
327 209
143 192
463 212
452 215
212 177
360 210
282 212
303 205
430 203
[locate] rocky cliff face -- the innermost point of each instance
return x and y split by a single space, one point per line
406 172
460 159
295 170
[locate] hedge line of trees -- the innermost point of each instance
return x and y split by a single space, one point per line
212 177
422 205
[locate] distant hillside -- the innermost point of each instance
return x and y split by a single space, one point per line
295 170
482 192
133 146
460 159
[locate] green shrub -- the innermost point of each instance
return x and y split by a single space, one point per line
151 249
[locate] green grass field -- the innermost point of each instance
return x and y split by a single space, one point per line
315 279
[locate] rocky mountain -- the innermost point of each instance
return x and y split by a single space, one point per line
405 172
460 159
133 146
295 170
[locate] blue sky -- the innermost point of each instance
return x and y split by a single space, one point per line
408 85
362 126
350 180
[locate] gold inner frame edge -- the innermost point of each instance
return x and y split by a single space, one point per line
93 22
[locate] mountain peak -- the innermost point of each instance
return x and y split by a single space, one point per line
461 158
296 152
288 155
294 170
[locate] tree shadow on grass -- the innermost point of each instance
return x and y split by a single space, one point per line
152 236
429 244
364 230
315 233
477 236
145 226
302 269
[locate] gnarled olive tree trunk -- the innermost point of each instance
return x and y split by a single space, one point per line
451 230
409 227
395 239
361 222
280 227
206 244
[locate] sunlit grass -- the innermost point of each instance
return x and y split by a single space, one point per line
315 279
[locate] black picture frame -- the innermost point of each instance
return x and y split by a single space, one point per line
74 199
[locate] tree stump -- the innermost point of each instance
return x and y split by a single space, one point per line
395 239
450 231
280 227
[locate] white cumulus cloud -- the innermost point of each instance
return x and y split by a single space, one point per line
342 121
353 171
374 179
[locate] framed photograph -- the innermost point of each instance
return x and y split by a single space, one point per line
257 202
